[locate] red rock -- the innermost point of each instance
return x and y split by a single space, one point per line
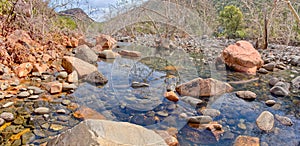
242 57
40 68
246 141
203 87
23 69
87 113
46 58
171 96
106 41
54 87
74 42
130 53
169 139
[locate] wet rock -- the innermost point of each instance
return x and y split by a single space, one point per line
56 127
108 133
8 104
284 85
42 110
139 85
171 95
23 69
203 87
262 71
270 66
246 141
66 102
23 94
27 138
7 116
87 113
265 121
210 112
86 54
106 42
284 120
130 53
95 78
242 57
200 120
83 68
36 90
296 82
108 54
199 136
73 77
194 102
19 120
247 95
61 111
162 113
169 139
279 91
273 81
33 97
270 102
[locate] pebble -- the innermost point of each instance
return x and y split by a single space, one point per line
162 113
210 112
265 121
61 111
8 104
56 127
284 120
200 119
23 94
33 97
66 102
247 95
7 116
270 102
42 110
36 90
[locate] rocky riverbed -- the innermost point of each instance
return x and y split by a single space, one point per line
42 100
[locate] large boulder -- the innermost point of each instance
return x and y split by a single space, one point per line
83 68
106 42
296 82
242 57
203 87
23 69
85 53
102 132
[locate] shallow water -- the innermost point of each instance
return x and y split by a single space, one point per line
160 68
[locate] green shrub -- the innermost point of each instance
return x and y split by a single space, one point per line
65 22
231 19
5 7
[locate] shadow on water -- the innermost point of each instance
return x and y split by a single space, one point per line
118 101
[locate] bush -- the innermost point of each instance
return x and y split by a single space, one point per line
5 7
231 19
65 22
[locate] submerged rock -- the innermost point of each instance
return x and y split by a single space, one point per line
284 120
203 87
265 121
102 132
96 78
247 95
246 141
